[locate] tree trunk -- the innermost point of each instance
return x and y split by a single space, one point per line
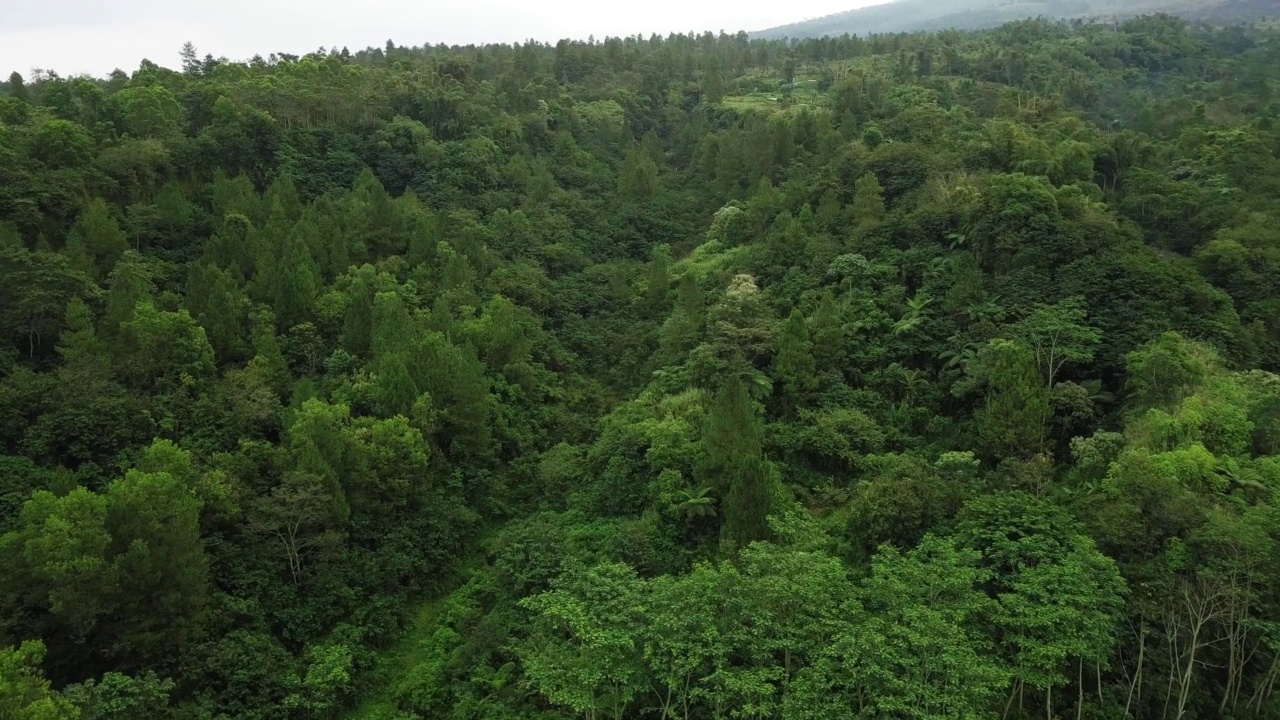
1137 676
1080 688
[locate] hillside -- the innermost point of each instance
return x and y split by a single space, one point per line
924 15
686 377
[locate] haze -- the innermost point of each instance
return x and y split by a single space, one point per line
97 36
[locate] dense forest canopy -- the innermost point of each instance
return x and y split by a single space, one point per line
914 376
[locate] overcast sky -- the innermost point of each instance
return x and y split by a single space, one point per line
97 36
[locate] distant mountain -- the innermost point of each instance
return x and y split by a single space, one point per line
916 15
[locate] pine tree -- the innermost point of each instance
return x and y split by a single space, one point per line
374 219
231 247
357 327
638 178
219 305
268 360
868 200
733 445
683 329
659 283
297 280
794 364
78 343
396 389
393 327
96 242
282 199
130 284
190 59
712 87
17 86
329 242
1015 419
830 335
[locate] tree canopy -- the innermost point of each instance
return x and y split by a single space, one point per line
705 377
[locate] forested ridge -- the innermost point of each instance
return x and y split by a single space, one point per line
699 377
896 16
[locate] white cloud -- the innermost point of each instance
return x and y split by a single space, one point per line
96 36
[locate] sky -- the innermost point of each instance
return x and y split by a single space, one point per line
97 36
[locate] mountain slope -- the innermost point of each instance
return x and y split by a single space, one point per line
917 15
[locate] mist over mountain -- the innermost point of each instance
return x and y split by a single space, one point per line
924 15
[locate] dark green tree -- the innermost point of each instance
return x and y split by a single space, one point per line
733 444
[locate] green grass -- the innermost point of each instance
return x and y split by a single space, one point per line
395 663
771 102
757 102
769 94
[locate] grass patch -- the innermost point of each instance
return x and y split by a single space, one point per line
380 703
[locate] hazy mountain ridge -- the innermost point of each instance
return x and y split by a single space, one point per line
924 15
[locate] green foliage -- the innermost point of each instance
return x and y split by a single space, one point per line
1013 421
868 199
891 376
24 693
734 464
597 671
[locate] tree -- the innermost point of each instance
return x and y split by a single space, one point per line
96 241
268 360
130 284
1059 598
18 86
868 200
1059 611
149 111
914 649
795 364
455 379
397 392
357 329
35 288
586 652
190 59
1058 335
164 351
1014 418
297 516
328 681
296 281
683 644
712 87
60 563
156 550
830 335
216 301
638 178
24 693
120 697
659 279
1166 369
735 463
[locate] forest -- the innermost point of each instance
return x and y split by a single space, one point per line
696 377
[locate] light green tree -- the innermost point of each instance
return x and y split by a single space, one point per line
24 693
586 653
910 646
96 242
1059 335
